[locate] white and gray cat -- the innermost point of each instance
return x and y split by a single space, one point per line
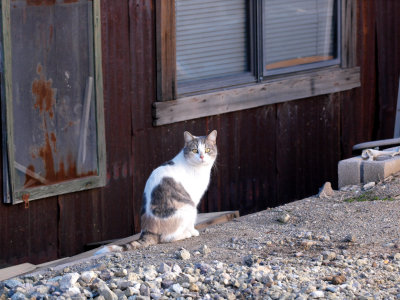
172 193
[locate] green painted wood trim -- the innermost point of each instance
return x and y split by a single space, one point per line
6 18
56 189
101 141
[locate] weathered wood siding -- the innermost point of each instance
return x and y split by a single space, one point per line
268 155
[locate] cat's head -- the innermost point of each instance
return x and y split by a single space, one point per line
200 150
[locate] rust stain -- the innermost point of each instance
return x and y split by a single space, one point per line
72 170
44 93
51 32
40 2
25 198
53 141
61 172
44 102
46 154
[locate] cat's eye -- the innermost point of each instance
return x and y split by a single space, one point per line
194 150
208 150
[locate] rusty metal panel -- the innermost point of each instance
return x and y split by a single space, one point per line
308 143
29 234
388 63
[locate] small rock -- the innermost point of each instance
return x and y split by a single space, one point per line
205 250
121 273
368 186
41 289
88 276
177 288
166 283
163 268
307 244
328 255
18 296
12 283
326 190
183 254
339 279
362 262
104 291
176 269
396 256
249 260
130 291
317 294
72 291
150 274
68 281
331 289
349 238
194 288
106 275
144 290
284 218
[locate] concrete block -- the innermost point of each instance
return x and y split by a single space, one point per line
349 171
355 170
380 169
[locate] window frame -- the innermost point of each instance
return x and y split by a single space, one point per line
172 106
10 195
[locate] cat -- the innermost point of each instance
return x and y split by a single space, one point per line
172 194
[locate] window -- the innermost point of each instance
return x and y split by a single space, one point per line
51 98
216 56
300 34
211 39
214 38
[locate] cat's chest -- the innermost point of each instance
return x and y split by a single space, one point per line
195 182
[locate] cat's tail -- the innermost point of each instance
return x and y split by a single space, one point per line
146 239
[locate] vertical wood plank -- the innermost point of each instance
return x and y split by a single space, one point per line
349 33
166 50
388 64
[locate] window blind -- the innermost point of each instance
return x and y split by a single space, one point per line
211 38
298 32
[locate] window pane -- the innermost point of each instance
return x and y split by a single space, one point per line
53 93
211 38
299 32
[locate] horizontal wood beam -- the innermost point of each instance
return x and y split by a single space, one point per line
327 81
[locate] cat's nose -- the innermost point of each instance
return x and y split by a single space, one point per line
201 156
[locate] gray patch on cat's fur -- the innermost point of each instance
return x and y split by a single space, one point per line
168 163
165 196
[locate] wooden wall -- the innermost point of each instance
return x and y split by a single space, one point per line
268 155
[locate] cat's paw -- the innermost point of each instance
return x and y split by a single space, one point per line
194 232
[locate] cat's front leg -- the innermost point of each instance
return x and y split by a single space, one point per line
194 232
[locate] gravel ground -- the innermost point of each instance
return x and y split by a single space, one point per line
339 245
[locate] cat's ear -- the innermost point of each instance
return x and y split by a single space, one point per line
188 136
212 137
